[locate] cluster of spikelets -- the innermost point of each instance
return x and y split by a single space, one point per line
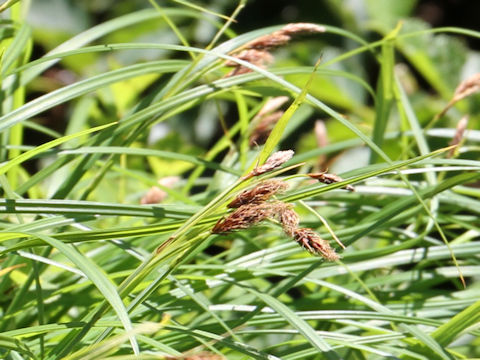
257 52
253 206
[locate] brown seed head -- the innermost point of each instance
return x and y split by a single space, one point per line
260 58
259 193
244 217
283 36
298 28
314 244
467 87
275 39
326 178
289 219
274 161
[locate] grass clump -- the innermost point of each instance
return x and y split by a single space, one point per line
151 210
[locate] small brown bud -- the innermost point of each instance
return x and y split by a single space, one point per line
244 217
274 161
314 244
259 193
330 179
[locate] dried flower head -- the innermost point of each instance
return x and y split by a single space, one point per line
461 126
244 217
330 179
259 193
260 58
274 161
313 243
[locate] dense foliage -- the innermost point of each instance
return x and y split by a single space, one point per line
173 189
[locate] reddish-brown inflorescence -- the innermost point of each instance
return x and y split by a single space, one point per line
256 51
312 242
244 217
259 193
289 219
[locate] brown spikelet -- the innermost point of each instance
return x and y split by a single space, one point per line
326 178
269 41
259 193
283 36
289 220
464 89
457 138
260 58
302 28
313 243
244 217
274 161
467 87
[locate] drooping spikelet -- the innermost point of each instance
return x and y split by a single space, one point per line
274 161
313 243
244 217
330 179
259 193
